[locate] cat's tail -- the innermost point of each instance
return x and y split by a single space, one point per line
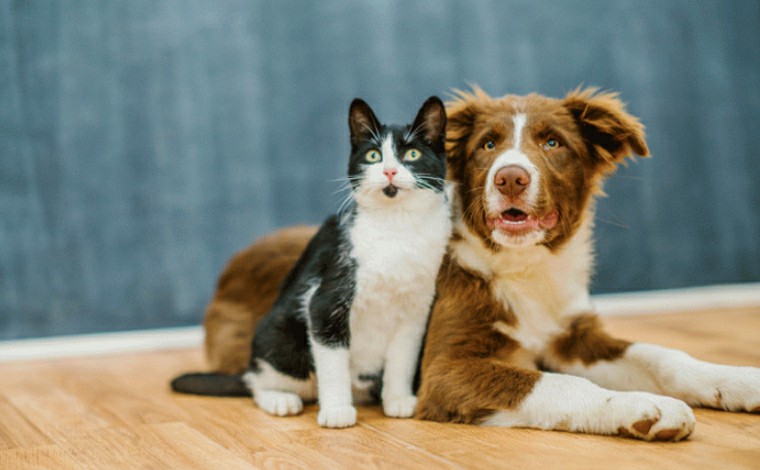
211 384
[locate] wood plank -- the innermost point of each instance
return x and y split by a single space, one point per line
16 430
58 414
166 445
42 457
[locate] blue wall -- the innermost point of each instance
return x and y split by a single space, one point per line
143 142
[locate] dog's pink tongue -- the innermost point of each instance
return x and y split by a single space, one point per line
514 217
549 220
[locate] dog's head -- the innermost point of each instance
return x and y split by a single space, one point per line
528 166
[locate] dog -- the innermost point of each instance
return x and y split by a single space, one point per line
513 339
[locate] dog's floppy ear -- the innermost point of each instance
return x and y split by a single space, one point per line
461 111
611 134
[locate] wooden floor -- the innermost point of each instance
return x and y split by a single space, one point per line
118 412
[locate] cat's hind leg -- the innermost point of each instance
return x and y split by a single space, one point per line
277 393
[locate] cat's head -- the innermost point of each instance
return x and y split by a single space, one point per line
391 164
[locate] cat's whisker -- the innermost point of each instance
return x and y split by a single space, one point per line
345 203
345 178
411 134
344 187
373 132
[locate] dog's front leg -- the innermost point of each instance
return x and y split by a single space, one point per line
585 350
494 393
568 403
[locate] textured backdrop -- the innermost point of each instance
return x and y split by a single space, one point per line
144 142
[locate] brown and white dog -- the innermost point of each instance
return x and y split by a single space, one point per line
513 338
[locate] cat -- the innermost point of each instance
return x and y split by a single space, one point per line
349 321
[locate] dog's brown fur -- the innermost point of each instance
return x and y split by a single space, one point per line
245 292
465 349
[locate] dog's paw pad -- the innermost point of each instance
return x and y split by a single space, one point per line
399 407
735 388
667 435
643 426
659 418
342 416
279 403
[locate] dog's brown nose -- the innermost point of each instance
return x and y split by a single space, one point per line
511 180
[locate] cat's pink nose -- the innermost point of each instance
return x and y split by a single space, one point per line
390 173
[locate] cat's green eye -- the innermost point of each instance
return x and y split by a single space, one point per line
373 156
412 155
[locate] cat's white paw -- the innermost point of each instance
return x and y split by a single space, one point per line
400 406
650 417
341 416
278 403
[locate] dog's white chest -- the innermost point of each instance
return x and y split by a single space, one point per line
539 286
542 290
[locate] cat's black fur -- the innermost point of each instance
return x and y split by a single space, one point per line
281 337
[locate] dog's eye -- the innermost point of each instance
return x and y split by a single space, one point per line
489 145
551 143
412 155
373 156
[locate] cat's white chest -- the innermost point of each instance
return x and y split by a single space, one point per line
397 258
394 248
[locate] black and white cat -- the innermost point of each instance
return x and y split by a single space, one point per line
352 313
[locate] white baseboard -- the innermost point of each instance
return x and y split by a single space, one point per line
679 300
633 303
101 344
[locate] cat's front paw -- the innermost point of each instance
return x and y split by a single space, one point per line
341 416
399 407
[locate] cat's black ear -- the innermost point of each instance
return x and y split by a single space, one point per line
430 123
362 122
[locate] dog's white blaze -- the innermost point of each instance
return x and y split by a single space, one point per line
513 156
519 121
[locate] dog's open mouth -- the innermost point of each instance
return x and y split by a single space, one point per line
514 220
514 216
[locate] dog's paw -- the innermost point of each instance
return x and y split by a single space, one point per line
651 417
278 403
341 416
400 406
736 389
